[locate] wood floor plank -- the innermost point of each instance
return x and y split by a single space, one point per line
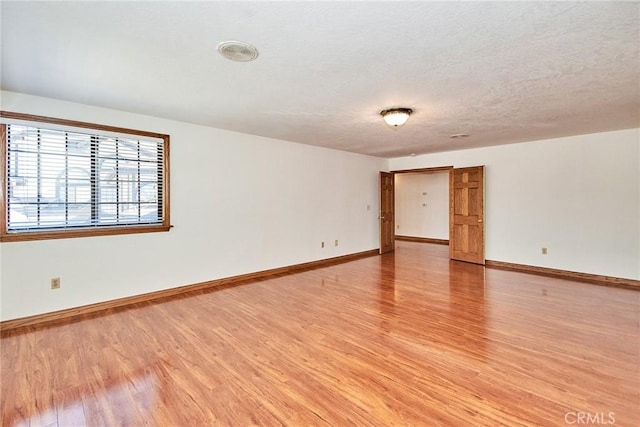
407 338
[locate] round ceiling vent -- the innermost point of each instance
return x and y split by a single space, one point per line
238 51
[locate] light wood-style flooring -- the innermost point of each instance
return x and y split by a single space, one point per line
407 338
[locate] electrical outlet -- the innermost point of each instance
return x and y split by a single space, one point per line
336 243
55 283
322 244
544 251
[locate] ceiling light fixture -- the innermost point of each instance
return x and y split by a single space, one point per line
459 135
396 117
238 51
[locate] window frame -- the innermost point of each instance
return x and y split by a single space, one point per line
89 231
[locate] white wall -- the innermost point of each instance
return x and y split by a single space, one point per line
422 205
578 196
239 204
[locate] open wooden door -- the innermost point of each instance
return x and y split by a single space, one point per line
387 233
466 214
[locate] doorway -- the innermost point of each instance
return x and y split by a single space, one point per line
466 211
422 207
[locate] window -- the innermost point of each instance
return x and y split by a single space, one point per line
70 179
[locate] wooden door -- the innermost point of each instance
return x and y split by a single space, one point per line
387 233
466 214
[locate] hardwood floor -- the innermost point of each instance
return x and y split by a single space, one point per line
406 338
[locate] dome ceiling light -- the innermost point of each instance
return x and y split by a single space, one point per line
396 117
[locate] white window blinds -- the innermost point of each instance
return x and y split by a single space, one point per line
68 179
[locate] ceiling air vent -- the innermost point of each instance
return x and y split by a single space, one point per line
238 51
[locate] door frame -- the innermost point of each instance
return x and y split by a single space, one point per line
419 170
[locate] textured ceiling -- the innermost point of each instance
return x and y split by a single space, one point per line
502 72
